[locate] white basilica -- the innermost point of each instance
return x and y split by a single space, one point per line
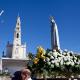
16 55
16 50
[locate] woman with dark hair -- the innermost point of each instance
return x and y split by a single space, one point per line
17 76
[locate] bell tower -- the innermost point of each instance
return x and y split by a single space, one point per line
19 50
17 33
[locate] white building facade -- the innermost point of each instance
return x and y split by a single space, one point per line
16 55
16 50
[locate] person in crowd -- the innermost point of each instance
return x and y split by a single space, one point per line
17 76
26 74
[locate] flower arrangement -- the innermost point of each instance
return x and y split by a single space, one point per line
54 63
65 63
39 61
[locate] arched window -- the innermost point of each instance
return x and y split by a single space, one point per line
18 23
17 28
17 35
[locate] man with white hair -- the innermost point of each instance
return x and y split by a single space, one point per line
26 74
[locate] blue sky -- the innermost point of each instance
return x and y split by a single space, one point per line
35 22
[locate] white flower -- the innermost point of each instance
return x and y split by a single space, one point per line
47 59
55 60
51 57
75 58
52 66
54 54
71 60
60 54
75 61
57 64
68 58
61 62
50 53
65 58
64 53
72 63
68 54
79 61
52 62
61 51
71 57
54 50
68 63
59 58
49 63
44 51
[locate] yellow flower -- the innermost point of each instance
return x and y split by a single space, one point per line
36 60
40 52
39 55
43 57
